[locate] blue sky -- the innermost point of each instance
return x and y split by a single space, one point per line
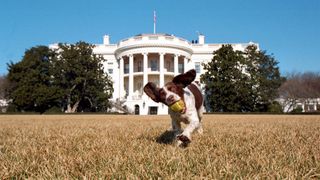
288 29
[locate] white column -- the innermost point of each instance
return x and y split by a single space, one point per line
176 64
145 107
185 61
121 83
130 76
161 83
145 69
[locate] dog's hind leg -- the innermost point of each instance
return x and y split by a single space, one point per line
200 115
199 129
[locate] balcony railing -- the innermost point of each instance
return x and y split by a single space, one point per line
136 97
153 70
162 39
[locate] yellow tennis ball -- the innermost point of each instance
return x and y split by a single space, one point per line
177 106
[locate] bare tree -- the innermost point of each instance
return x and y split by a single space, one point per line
303 87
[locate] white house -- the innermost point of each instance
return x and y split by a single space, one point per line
305 104
134 61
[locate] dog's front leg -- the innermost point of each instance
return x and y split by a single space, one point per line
176 126
194 123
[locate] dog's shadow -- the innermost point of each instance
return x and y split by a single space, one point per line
167 137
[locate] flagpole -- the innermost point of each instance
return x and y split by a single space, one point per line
154 22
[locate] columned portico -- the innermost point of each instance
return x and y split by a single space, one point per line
135 71
142 63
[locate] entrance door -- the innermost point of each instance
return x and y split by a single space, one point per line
136 109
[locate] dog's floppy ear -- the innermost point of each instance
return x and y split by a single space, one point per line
185 79
152 91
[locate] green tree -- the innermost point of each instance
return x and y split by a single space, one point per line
71 79
225 83
238 81
265 77
30 84
80 74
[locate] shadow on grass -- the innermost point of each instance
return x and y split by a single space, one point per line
167 137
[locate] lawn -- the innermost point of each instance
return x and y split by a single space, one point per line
124 146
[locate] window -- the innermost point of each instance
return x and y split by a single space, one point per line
139 87
180 68
169 68
197 67
156 82
110 71
127 91
126 68
153 110
154 65
139 66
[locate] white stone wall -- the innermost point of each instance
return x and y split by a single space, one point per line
166 51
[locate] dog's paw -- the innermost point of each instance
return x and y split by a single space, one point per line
183 141
183 138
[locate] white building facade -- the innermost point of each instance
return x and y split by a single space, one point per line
135 61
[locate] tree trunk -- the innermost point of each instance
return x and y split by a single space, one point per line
73 109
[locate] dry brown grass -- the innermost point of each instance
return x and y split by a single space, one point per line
93 146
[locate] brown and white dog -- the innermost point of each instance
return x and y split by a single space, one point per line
182 88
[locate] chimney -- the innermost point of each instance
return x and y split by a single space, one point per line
201 39
106 40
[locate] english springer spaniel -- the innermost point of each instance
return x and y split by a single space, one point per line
185 102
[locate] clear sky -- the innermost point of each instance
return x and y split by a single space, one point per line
288 29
